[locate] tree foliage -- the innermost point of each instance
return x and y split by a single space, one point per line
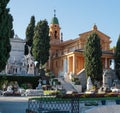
6 32
117 57
93 53
29 34
41 42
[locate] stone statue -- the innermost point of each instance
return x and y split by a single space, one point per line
39 85
10 89
107 80
89 84
30 62
70 76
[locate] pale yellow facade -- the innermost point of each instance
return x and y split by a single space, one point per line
67 56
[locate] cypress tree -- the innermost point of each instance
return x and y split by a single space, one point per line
6 32
41 43
29 34
93 53
117 57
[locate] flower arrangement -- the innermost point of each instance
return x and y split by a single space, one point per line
95 95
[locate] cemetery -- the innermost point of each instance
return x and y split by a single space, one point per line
79 102
59 76
110 86
72 100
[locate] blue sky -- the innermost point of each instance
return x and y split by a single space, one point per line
75 16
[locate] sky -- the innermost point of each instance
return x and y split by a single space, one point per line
74 16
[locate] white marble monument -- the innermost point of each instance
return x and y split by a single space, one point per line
89 84
39 84
18 63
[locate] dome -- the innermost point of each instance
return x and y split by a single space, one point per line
54 20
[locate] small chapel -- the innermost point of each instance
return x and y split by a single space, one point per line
67 56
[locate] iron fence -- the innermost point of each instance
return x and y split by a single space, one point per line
67 104
53 105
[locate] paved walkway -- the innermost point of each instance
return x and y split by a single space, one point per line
13 104
20 104
105 109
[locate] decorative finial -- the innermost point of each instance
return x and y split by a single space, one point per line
54 13
94 27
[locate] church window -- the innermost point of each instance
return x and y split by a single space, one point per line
55 34
56 54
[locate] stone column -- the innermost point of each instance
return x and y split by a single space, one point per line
106 63
74 64
65 67
68 70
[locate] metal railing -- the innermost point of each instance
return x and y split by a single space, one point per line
53 105
67 104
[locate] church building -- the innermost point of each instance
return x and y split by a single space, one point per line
67 56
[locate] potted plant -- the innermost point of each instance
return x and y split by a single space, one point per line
103 102
117 101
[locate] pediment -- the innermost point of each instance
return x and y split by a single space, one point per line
103 37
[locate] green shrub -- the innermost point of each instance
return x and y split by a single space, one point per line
76 80
20 79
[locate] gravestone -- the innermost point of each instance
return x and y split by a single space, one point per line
89 84
39 85
107 79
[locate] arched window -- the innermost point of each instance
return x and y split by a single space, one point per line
55 34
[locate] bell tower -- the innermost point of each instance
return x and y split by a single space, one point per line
54 31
